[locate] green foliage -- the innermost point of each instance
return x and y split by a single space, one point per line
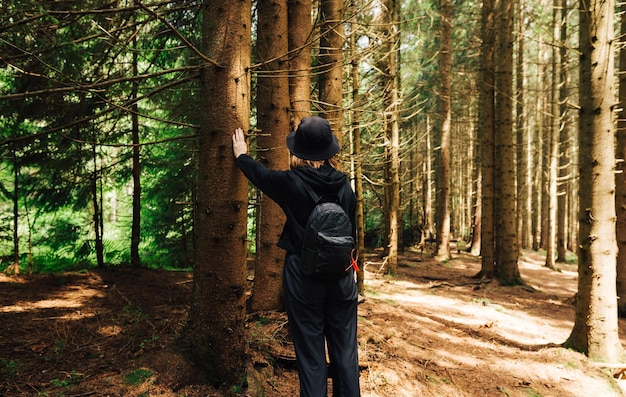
59 345
167 210
74 378
10 369
240 386
136 314
71 145
138 376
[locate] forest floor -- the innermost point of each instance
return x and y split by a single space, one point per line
432 330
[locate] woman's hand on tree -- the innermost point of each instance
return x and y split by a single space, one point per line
239 143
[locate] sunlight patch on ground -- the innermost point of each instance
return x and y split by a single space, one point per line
110 330
551 373
564 284
382 379
478 314
71 299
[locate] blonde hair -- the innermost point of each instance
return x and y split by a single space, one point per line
295 162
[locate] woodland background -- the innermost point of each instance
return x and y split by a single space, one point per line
474 122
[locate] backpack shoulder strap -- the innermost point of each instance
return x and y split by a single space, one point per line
316 197
308 188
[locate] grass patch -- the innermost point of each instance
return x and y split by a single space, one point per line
138 376
531 393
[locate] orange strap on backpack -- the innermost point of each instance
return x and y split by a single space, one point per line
354 255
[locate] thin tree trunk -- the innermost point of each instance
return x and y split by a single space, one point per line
392 133
273 122
355 128
486 111
595 329
300 29
394 188
97 208
538 161
135 259
215 330
564 141
478 206
427 205
553 143
442 252
523 166
620 187
16 214
413 217
331 59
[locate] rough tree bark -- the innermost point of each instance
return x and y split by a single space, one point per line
443 172
595 329
135 235
553 144
507 252
523 137
300 29
388 82
564 195
486 136
355 128
273 122
331 63
214 334
620 188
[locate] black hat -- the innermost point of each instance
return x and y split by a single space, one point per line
313 140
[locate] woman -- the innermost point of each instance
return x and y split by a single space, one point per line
319 311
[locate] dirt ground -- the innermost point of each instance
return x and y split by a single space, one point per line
432 330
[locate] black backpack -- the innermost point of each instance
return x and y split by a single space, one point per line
328 247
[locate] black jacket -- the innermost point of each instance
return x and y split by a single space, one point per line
294 200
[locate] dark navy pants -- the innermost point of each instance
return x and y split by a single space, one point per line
319 313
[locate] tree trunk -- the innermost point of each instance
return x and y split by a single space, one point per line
523 147
300 29
273 122
478 206
355 129
331 63
506 236
16 214
620 187
412 216
427 196
391 130
442 250
135 259
215 329
96 193
393 210
553 143
538 160
563 195
595 329
486 111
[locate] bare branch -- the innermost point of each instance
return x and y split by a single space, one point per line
126 105
97 86
182 38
